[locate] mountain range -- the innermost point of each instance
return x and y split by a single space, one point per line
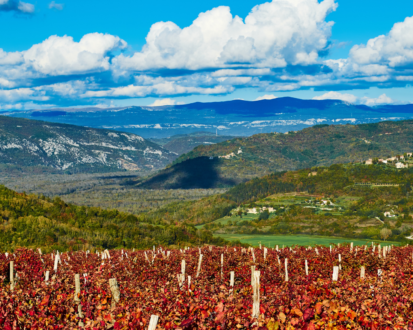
73 149
234 118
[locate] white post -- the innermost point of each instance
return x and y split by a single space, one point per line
189 283
256 295
335 273
222 266
47 276
306 267
265 253
232 279
199 265
286 270
252 275
114 288
56 261
153 322
339 261
351 247
183 267
77 288
362 272
12 275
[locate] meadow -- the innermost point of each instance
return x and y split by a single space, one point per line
301 240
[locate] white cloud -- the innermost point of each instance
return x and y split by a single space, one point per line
350 98
394 49
63 56
14 95
274 34
266 97
57 6
11 58
163 102
17 6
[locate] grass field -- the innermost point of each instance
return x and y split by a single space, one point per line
280 240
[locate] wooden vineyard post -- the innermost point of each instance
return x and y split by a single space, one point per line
362 272
335 273
252 275
222 267
339 261
231 281
47 276
153 322
286 270
114 288
183 268
306 267
77 288
11 275
189 283
199 265
265 253
56 260
256 295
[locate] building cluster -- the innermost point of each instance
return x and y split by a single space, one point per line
232 154
398 161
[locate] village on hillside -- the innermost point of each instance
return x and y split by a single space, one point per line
399 161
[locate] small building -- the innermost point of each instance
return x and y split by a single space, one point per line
383 161
229 156
401 165
409 154
369 161
389 215
239 151
312 174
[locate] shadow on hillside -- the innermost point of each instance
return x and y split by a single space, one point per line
194 173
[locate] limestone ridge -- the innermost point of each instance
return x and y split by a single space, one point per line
68 148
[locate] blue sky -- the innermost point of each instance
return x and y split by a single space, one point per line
81 53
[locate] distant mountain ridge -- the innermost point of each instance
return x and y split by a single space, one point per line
31 143
262 154
183 143
236 118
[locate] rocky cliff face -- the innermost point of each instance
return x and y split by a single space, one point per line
26 142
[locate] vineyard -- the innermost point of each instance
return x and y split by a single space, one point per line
338 287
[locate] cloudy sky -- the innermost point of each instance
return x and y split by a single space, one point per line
101 53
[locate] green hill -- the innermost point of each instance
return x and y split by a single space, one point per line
344 200
321 145
32 221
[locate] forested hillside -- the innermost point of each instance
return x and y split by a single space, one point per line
360 196
32 221
321 145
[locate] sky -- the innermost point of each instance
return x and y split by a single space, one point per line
98 53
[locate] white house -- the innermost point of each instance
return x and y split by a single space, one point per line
229 156
239 151
389 215
369 161
401 165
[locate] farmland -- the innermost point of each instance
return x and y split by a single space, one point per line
146 283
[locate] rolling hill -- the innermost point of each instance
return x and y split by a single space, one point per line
262 154
32 144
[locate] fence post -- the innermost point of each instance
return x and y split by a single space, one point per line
335 273
306 267
222 266
77 288
362 272
183 267
252 275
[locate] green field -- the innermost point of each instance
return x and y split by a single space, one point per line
280 240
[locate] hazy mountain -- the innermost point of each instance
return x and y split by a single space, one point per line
262 154
184 143
238 118
32 143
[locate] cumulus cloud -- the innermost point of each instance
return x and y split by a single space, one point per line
274 34
163 102
394 49
266 97
16 6
57 6
63 56
350 98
